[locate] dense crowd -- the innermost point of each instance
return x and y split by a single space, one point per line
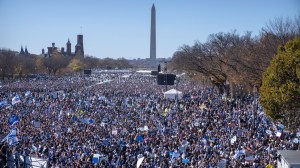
116 120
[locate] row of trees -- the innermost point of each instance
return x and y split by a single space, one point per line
233 62
13 64
270 61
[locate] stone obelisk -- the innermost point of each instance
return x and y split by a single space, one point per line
153 39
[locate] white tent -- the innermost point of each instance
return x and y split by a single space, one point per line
172 94
33 162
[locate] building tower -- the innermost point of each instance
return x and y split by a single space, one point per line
69 48
153 38
79 45
62 51
22 50
26 51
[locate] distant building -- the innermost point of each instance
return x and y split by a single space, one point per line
24 53
69 53
79 51
79 45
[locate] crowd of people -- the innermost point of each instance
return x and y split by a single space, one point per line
122 120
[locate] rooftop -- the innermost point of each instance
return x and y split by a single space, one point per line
291 156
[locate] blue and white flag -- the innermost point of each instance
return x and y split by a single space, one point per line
96 158
13 120
3 103
91 121
184 160
139 138
13 140
239 153
175 155
15 100
87 121
12 133
27 93
139 162
74 119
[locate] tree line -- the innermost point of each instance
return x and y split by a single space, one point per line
12 64
234 62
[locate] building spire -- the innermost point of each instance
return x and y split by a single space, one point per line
69 48
26 51
22 50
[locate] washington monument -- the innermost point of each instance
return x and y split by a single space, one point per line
153 39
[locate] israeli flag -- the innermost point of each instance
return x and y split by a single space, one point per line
13 140
174 155
27 93
12 133
13 120
3 103
15 100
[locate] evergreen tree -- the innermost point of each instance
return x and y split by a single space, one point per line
280 90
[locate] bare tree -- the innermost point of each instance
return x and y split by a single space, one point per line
230 57
24 65
56 62
7 61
